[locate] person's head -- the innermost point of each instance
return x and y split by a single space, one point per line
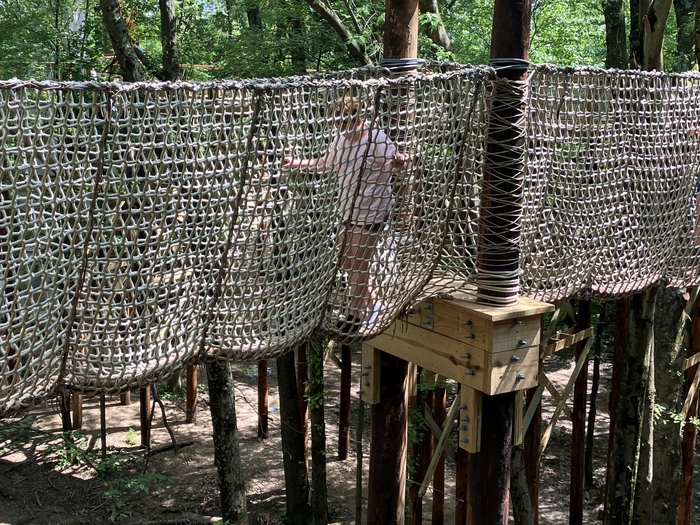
346 113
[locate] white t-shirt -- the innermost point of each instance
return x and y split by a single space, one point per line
375 199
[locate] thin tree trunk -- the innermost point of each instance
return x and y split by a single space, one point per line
124 48
262 400
522 506
319 492
615 34
653 27
696 32
344 416
578 433
227 456
595 383
684 36
435 31
168 37
624 457
295 474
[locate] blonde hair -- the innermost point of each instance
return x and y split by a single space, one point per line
347 108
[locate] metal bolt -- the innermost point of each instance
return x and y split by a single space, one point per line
463 428
514 358
465 418
519 376
368 366
471 372
470 336
367 383
468 322
365 374
522 342
465 440
462 407
467 356
517 321
361 391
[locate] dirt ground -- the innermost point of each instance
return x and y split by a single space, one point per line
38 485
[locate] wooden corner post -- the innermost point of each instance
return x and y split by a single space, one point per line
499 248
388 441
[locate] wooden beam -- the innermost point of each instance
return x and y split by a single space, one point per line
344 415
578 432
370 377
451 414
77 411
565 395
145 415
565 339
191 399
544 380
263 407
470 419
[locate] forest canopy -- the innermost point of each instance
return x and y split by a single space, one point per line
217 39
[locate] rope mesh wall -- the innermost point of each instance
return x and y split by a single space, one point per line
146 226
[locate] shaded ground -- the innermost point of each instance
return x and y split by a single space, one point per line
39 486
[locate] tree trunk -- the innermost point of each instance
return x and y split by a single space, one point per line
522 506
227 457
660 503
168 38
653 27
124 47
615 35
696 33
578 432
435 31
329 15
684 36
319 492
295 476
624 455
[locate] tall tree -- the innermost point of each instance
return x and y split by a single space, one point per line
168 35
124 47
615 34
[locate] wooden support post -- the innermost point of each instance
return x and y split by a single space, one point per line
462 487
387 461
439 400
302 382
263 409
499 252
191 400
532 458
619 339
344 416
489 480
578 434
685 495
145 416
420 452
125 398
103 426
77 411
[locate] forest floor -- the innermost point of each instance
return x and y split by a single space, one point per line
39 486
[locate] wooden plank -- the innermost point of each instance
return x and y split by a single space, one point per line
435 352
565 395
470 419
77 411
518 418
692 391
513 334
525 307
454 408
555 394
370 375
191 399
263 407
145 416
565 339
690 361
552 326
512 370
532 407
436 430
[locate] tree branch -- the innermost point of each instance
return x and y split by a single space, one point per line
336 23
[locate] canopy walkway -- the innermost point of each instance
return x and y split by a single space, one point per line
146 226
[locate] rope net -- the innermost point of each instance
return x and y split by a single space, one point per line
147 226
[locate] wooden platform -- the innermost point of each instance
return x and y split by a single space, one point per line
487 349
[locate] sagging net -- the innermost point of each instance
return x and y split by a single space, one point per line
147 226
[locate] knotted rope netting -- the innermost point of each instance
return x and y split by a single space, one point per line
147 226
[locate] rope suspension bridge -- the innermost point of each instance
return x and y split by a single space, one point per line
147 226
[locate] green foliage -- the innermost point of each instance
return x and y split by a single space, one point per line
130 437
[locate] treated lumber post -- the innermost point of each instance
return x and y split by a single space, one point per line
263 408
77 411
145 416
387 462
125 398
532 458
191 400
685 495
439 400
578 434
302 381
344 417
498 246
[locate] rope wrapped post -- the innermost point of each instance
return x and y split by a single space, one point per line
388 445
499 247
